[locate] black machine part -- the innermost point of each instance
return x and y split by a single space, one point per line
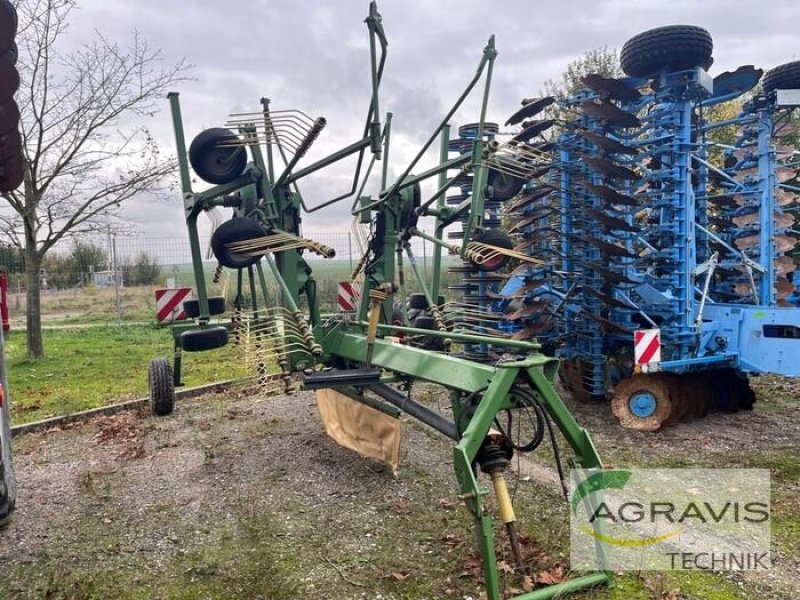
673 48
216 156
237 229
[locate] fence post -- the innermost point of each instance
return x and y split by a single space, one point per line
350 249
116 278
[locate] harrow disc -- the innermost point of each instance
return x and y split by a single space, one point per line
530 109
739 81
608 144
613 88
610 113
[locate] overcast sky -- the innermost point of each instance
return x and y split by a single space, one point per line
313 55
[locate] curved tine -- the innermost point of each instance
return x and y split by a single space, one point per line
266 122
529 150
282 113
520 171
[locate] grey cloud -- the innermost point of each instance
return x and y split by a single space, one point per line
312 56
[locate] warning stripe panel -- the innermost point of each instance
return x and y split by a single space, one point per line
169 304
649 351
647 346
346 296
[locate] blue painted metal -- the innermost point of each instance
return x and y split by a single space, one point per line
692 212
642 404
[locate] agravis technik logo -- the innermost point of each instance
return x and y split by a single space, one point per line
670 519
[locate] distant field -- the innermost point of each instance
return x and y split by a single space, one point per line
91 304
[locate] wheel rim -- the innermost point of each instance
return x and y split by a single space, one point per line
642 404
493 264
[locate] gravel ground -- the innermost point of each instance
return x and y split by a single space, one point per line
236 497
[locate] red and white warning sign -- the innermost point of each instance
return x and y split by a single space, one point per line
647 346
169 304
346 297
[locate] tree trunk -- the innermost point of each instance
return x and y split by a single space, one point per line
33 264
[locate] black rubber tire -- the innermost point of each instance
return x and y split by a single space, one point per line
8 24
237 229
426 342
213 163
6 500
782 77
9 116
9 81
494 237
417 301
504 186
10 55
162 387
216 306
200 340
670 48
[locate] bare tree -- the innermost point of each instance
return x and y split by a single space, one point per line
82 159
601 61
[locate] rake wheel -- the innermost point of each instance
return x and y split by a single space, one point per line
645 402
673 48
782 77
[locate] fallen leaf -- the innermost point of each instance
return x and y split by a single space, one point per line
527 583
447 503
504 567
551 576
400 575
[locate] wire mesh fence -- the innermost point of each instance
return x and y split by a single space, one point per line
114 278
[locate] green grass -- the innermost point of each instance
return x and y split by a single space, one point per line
94 366
217 571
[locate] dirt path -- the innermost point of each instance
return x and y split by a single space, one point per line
232 497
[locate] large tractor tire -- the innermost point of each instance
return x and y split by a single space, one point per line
783 77
670 48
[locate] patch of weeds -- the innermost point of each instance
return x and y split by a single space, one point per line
784 466
786 533
702 585
243 563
